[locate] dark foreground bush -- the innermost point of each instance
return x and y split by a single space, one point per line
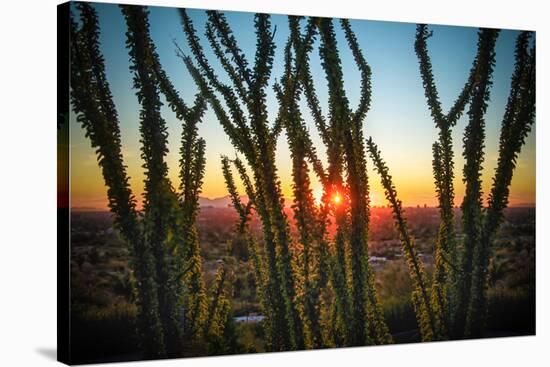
512 312
107 334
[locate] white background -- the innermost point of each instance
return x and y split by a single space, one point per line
28 191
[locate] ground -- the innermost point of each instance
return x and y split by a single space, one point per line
102 298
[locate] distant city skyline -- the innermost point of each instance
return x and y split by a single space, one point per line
399 120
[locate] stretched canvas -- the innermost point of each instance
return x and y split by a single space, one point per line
234 183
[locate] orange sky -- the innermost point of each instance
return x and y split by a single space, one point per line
410 168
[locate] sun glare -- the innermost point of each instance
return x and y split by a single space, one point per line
336 199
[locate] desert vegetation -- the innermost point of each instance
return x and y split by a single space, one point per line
307 269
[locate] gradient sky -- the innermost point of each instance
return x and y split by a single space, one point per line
399 119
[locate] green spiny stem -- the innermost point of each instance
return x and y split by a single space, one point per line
213 326
516 124
92 101
421 300
253 138
219 314
332 183
238 132
446 282
264 281
472 206
305 211
161 208
153 129
349 134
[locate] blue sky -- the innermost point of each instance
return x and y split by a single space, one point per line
398 121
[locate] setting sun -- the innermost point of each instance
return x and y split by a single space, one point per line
336 199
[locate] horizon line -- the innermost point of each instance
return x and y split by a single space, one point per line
418 206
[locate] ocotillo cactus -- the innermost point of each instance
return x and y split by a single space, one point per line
446 297
256 255
356 310
165 249
345 145
426 317
356 181
158 196
460 278
253 138
219 312
474 136
92 101
173 222
256 252
341 326
313 256
516 125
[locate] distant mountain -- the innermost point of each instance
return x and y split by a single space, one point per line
222 202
